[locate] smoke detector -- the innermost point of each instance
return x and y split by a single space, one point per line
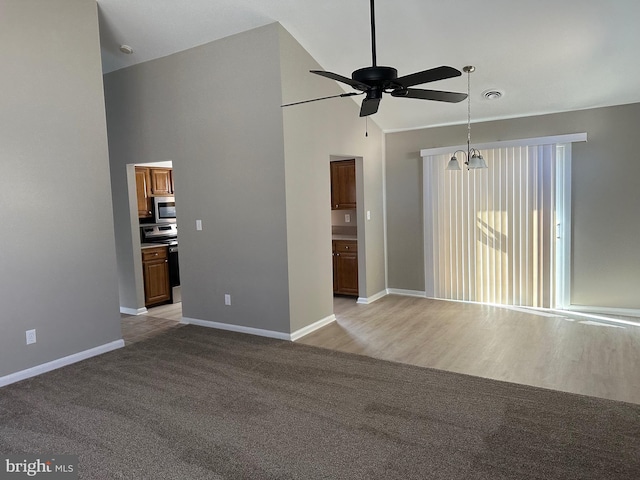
126 49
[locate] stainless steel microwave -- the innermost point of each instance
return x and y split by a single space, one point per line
164 209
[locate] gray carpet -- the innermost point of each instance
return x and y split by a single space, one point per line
198 403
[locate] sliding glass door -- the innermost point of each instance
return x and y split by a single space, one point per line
491 235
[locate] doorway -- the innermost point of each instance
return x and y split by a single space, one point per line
344 227
155 234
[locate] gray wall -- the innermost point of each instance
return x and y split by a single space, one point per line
215 112
313 133
605 198
58 257
255 174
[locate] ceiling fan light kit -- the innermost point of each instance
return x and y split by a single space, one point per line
375 80
473 157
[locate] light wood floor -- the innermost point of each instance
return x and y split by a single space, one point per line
566 354
156 321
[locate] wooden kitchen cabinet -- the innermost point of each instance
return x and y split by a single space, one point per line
155 267
143 192
152 182
161 181
345 267
343 184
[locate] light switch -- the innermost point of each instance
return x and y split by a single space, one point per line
368 214
347 218
198 224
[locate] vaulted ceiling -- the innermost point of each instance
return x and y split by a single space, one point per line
544 55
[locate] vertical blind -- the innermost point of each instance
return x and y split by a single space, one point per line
493 230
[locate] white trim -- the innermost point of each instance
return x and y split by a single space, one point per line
312 328
372 298
258 331
528 142
236 328
406 293
60 362
133 311
623 312
599 319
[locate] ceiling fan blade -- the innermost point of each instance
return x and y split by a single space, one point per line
451 97
322 98
369 106
426 76
340 78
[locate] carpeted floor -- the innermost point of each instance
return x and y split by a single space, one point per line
198 403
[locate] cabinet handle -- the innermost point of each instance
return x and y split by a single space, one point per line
337 205
337 254
156 254
346 247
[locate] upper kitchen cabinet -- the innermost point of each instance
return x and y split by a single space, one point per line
152 182
143 191
161 181
343 184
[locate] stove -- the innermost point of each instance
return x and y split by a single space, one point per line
166 234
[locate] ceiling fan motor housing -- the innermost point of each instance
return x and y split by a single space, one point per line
375 76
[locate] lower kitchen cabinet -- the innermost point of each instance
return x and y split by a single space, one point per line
345 267
155 267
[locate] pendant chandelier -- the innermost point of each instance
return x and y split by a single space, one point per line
473 157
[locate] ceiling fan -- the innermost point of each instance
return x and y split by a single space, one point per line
375 80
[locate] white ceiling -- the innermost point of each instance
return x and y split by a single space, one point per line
545 55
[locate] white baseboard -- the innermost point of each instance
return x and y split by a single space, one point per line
235 328
372 298
623 312
258 331
133 311
406 293
60 362
312 328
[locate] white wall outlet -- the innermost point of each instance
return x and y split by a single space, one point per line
198 224
347 218
227 299
368 214
31 336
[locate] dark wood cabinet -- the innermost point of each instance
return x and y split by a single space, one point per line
343 184
143 192
345 267
155 266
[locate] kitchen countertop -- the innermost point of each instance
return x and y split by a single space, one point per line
151 245
336 236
